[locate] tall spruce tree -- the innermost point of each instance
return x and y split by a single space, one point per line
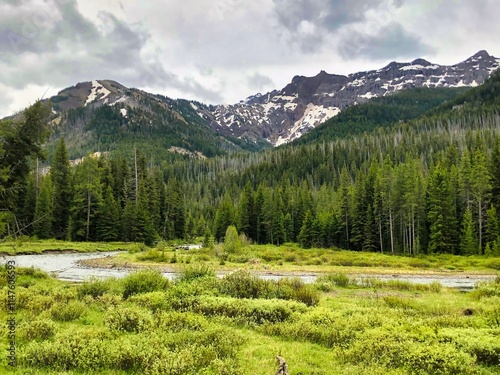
61 179
42 225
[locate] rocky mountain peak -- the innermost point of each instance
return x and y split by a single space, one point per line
281 116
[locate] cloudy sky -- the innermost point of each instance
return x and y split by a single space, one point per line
221 51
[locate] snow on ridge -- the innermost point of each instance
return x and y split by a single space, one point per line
313 116
97 89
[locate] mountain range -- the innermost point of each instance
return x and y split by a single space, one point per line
96 115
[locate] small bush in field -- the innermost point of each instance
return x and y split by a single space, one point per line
438 359
93 287
65 312
241 284
195 271
338 279
143 281
174 321
128 319
153 301
38 329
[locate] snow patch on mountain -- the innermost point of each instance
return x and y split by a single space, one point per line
98 91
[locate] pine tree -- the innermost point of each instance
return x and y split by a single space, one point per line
224 218
369 231
86 201
468 240
61 179
245 216
306 232
441 212
481 190
108 218
42 224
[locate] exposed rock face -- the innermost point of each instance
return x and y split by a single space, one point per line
281 116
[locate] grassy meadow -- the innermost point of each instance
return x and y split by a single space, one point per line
290 258
201 324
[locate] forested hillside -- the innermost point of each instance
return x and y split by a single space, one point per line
381 112
428 185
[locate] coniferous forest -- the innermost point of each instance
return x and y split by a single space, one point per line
428 184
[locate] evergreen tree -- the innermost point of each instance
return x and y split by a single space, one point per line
306 236
481 190
86 201
468 240
369 231
61 179
42 225
492 226
441 213
108 218
245 216
224 218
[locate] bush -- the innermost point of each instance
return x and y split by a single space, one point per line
241 284
128 319
195 271
338 279
245 310
93 287
143 281
175 321
38 329
67 312
153 301
438 359
75 349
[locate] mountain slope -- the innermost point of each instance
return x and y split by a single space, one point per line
105 115
281 116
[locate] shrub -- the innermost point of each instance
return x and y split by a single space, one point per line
75 349
93 287
194 271
338 279
38 329
153 301
398 302
175 321
438 359
143 281
128 319
241 284
65 312
246 310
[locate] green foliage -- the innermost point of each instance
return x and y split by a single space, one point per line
232 241
38 329
65 312
256 311
128 319
195 271
93 287
143 281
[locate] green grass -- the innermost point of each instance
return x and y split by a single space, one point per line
29 246
200 324
291 258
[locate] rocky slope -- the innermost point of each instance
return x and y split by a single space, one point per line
281 116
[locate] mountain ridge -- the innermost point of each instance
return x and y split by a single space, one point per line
279 116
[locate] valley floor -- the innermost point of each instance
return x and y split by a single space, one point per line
200 324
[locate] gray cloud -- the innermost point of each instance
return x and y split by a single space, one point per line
311 22
69 48
391 41
259 82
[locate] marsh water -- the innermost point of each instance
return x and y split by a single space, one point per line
65 267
